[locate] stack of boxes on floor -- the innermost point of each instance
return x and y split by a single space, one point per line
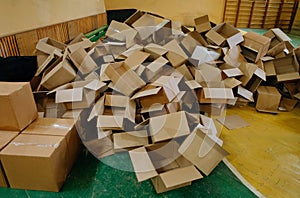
36 153
151 88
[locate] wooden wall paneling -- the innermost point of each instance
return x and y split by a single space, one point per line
26 42
8 46
73 29
101 20
48 31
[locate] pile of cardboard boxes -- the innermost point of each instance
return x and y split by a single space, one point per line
35 153
150 88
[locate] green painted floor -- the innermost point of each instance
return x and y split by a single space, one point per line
92 178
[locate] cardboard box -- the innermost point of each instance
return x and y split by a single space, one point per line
203 55
58 75
202 24
255 46
285 68
224 32
175 55
202 151
17 106
49 46
79 94
162 91
36 162
54 110
252 77
208 73
169 126
129 140
83 61
268 99
72 114
276 35
163 164
155 50
58 127
123 78
5 138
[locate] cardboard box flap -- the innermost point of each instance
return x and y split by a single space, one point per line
120 31
215 37
245 93
157 64
153 108
98 109
202 24
146 92
231 82
269 68
192 84
203 55
233 56
110 122
248 70
177 55
235 40
84 43
288 77
49 46
281 35
218 93
114 100
69 95
168 82
207 73
136 58
130 139
130 111
233 72
260 73
46 62
155 50
180 176
95 85
142 164
132 49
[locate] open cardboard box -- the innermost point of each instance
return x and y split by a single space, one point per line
255 46
175 55
18 108
202 24
202 151
164 165
83 61
285 68
163 91
49 46
276 35
223 33
58 74
129 140
58 127
5 138
36 162
252 76
79 94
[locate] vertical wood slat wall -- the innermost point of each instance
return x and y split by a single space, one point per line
261 13
23 44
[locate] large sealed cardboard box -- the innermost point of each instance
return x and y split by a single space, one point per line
164 165
35 162
58 127
268 99
17 106
5 138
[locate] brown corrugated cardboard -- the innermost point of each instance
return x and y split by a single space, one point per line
45 155
83 61
234 57
203 55
136 58
285 68
155 50
60 74
17 106
245 93
287 104
202 24
49 46
224 32
202 151
277 36
219 95
129 140
54 110
72 114
252 77
58 127
123 78
162 91
110 122
255 46
175 54
208 73
5 138
79 94
268 99
163 164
